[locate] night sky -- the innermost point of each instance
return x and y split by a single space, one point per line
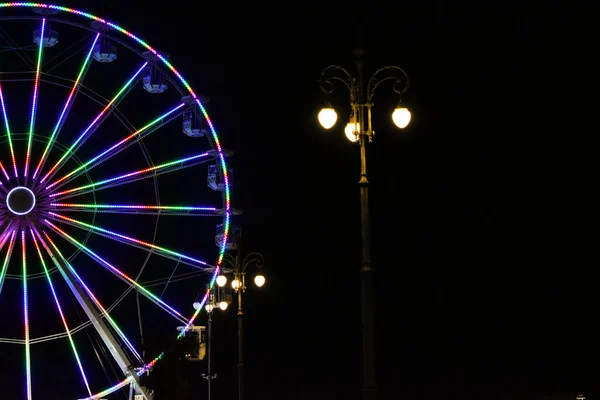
484 285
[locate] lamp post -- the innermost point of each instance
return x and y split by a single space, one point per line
238 284
211 304
360 130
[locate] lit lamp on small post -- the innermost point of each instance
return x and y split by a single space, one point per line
212 303
360 130
240 266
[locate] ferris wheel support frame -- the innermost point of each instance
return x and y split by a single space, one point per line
101 327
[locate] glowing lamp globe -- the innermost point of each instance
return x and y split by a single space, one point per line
351 131
401 117
235 284
223 305
196 305
259 280
327 117
209 307
221 280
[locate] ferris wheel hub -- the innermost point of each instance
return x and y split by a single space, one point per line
20 200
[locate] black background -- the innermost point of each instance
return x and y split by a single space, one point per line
484 284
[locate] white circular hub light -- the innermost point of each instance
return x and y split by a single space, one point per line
20 200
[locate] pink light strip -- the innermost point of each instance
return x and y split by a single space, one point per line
4 171
26 318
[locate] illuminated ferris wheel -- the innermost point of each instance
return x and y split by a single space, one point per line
112 179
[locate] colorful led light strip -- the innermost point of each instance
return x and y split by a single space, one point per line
5 236
181 79
216 140
118 272
4 171
62 315
26 318
110 390
150 245
66 107
129 175
11 243
8 134
57 166
202 303
36 87
128 138
133 207
94 299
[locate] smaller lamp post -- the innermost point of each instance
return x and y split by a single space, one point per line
238 284
211 305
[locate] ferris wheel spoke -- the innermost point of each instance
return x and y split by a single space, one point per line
11 244
5 236
140 209
4 171
139 174
124 277
67 107
92 188
145 248
60 312
87 299
152 126
95 124
34 101
26 317
128 240
8 133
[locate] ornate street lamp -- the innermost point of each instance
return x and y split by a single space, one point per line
240 266
360 130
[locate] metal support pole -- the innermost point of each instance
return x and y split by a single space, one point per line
369 389
240 332
94 316
209 339
209 375
361 102
240 266
239 274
